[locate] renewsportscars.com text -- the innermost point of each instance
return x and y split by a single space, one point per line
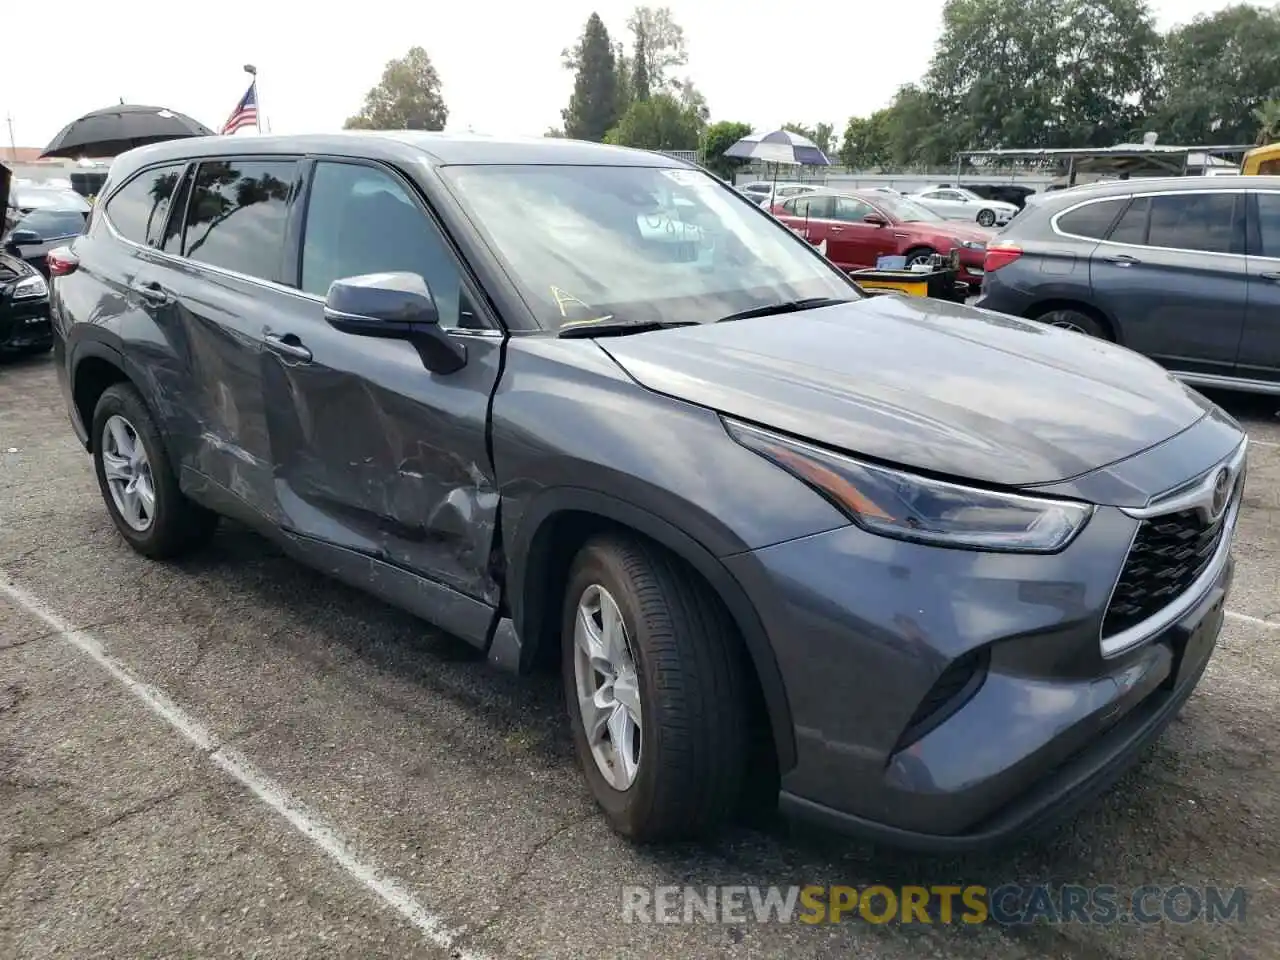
1008 904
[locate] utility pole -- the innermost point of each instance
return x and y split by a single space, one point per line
13 144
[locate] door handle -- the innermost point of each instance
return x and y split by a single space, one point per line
1122 260
835 229
150 290
287 345
1273 277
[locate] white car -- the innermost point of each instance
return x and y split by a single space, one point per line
766 193
956 203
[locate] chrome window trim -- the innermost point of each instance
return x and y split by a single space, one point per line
1187 496
1053 221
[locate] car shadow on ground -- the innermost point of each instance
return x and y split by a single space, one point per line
774 851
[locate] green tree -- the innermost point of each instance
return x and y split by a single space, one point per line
1043 73
660 123
640 74
663 45
1218 71
1268 117
593 107
407 98
718 138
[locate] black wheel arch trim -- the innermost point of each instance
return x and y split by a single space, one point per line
80 349
582 500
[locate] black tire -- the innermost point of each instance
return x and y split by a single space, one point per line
986 217
179 525
692 683
1076 320
916 254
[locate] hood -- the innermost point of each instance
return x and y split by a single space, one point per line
923 383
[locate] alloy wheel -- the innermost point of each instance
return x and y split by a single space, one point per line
607 687
128 473
986 218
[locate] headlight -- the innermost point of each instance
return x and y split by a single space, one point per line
906 507
30 288
974 245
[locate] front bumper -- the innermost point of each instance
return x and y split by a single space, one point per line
866 629
24 324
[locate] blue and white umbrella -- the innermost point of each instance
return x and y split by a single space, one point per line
781 146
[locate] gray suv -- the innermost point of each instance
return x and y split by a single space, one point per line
923 572
1185 270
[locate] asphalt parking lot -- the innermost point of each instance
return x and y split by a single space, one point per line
234 756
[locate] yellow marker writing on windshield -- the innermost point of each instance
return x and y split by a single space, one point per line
564 299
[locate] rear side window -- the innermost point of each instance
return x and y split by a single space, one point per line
1093 220
1132 226
1193 221
139 209
797 208
236 215
1269 224
822 208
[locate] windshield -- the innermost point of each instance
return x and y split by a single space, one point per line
908 211
637 244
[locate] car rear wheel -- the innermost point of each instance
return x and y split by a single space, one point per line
987 218
1076 320
655 689
137 480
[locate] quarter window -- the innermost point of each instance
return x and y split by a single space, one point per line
362 220
236 216
139 209
1193 221
1092 220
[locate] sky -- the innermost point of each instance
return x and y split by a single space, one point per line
499 60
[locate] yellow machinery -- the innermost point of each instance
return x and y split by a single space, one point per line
1262 161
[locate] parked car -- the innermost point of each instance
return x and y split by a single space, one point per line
859 228
957 203
26 197
766 194
926 563
1185 270
34 234
1006 192
24 308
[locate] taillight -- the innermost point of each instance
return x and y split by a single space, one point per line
1000 255
61 261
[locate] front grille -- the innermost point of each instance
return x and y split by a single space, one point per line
1169 552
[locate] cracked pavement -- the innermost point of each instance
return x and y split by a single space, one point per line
119 838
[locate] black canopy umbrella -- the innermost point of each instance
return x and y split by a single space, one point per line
113 130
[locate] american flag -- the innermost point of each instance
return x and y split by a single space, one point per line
246 111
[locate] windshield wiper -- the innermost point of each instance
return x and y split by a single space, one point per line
614 328
787 306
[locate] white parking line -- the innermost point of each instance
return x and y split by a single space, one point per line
390 891
1262 443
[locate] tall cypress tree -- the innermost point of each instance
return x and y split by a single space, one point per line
640 72
593 108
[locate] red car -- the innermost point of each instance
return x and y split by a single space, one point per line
859 228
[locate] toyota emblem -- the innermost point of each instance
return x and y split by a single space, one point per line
1221 491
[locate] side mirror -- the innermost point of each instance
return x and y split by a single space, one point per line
25 238
876 220
394 306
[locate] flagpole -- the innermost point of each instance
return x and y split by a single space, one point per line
250 69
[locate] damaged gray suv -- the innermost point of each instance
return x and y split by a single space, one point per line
913 570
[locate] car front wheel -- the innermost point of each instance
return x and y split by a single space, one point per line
987 218
654 682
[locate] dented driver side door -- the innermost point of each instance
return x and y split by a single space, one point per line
374 453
